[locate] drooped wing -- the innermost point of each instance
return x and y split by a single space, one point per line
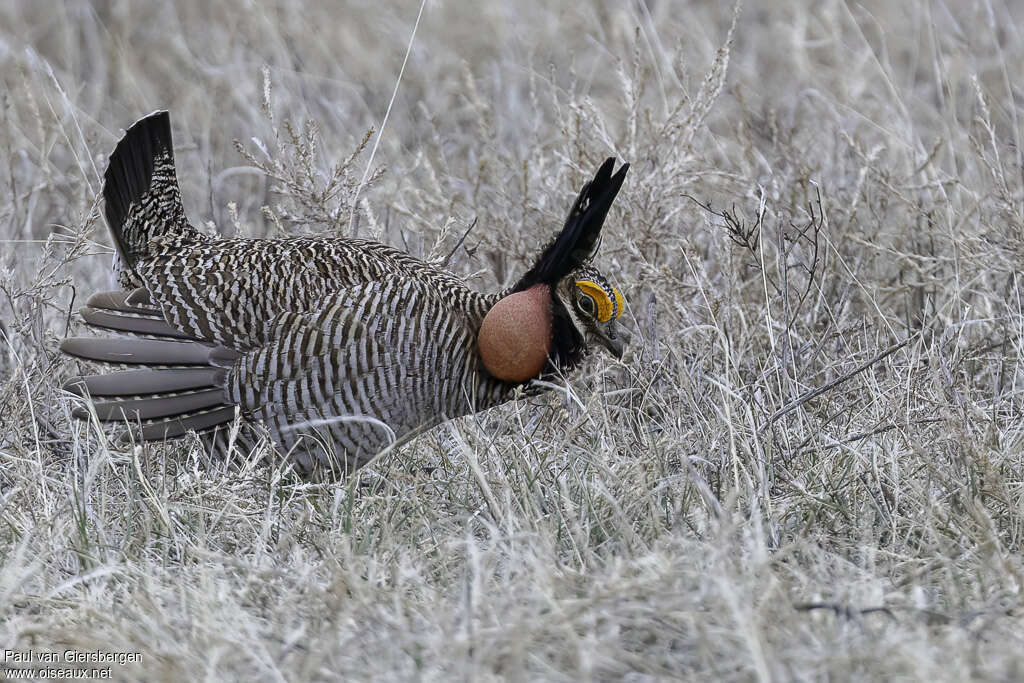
372 364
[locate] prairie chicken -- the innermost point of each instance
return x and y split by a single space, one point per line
338 347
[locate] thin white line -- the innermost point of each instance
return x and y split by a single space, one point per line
383 123
319 422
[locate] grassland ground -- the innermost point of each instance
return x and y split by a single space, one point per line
809 465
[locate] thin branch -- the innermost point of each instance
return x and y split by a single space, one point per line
814 393
448 259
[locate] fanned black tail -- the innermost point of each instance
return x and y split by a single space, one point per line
168 383
140 189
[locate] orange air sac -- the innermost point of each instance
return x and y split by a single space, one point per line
515 337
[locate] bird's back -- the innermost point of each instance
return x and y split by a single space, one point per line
228 291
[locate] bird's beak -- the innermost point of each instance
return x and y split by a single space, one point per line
613 337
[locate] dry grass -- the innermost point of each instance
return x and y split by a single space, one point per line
808 466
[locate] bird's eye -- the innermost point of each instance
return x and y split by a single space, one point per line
586 303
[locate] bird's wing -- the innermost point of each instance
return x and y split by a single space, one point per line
369 365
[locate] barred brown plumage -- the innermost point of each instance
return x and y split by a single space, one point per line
339 347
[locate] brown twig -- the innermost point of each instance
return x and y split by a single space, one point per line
814 393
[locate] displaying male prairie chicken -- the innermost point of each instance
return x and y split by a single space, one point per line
339 347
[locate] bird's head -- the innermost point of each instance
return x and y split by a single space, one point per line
563 305
592 306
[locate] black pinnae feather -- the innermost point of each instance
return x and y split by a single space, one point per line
579 237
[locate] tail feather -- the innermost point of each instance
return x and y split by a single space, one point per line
129 351
136 323
140 188
138 301
177 383
181 425
130 312
120 409
141 297
179 386
145 381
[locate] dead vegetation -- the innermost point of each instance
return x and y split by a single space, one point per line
808 466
